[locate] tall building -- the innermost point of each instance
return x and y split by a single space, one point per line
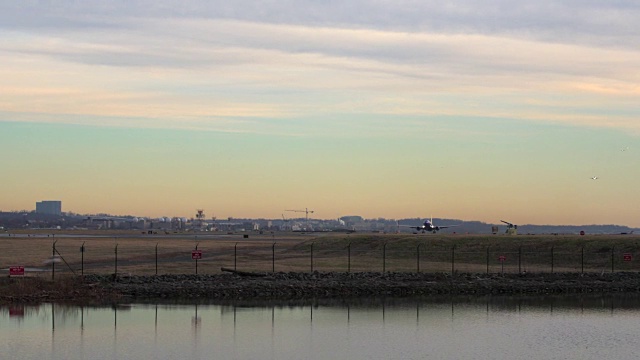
51 207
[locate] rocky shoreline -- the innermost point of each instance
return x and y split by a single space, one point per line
290 286
304 286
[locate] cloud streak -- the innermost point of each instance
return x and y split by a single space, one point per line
213 66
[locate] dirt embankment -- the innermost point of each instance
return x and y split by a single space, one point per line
258 286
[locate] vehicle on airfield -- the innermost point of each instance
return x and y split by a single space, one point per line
512 229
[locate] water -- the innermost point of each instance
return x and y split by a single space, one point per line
440 328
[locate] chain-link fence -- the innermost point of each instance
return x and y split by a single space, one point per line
101 256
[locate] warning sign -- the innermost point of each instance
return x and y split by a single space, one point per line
16 271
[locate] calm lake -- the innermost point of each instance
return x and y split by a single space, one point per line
593 327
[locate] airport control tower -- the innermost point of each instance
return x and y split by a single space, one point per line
199 223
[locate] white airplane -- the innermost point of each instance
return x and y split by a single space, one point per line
428 226
594 178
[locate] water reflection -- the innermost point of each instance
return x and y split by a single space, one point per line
458 327
64 314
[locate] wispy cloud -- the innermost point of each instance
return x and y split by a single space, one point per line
220 66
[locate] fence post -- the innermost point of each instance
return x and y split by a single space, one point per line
453 256
384 257
552 259
82 258
235 256
418 257
197 257
156 258
520 260
116 264
612 258
273 257
349 258
488 259
312 257
53 260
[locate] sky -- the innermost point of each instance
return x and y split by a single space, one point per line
478 111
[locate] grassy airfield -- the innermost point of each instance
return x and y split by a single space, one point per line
283 252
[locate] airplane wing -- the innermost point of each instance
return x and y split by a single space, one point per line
447 226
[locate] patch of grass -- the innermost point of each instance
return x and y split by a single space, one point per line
292 252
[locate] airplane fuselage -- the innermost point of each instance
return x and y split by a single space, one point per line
427 226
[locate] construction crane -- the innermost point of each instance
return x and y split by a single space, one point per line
306 211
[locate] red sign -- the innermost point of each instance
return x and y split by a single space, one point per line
627 257
502 258
16 271
196 254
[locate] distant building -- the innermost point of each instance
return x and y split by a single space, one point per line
353 219
51 207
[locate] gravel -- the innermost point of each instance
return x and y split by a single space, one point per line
366 284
